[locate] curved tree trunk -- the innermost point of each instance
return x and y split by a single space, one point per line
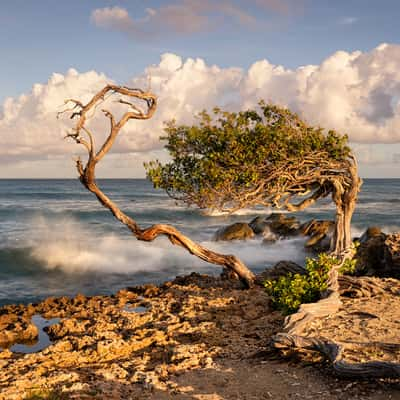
345 199
87 175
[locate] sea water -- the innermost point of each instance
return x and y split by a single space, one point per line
56 239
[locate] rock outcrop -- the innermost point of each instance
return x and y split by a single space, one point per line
392 255
236 231
370 253
319 232
281 268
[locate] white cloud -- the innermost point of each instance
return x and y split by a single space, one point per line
112 18
355 93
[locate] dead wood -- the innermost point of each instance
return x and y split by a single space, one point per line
82 135
346 357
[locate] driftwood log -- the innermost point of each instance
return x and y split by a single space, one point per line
82 135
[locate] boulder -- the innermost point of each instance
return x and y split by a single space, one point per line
259 225
283 225
392 255
282 268
371 231
320 233
236 231
262 227
370 253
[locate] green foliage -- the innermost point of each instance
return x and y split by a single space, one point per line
227 154
349 267
290 291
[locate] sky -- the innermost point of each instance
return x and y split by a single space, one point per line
336 63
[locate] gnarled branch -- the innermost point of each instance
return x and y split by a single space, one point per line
87 174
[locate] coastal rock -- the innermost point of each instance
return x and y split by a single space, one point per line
282 224
236 231
16 328
320 233
281 268
198 332
392 255
262 227
370 232
259 225
370 253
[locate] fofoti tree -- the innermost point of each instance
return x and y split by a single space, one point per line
136 104
268 157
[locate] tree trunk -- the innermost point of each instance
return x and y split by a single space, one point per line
88 179
230 262
345 199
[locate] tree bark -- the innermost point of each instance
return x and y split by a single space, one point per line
345 199
88 179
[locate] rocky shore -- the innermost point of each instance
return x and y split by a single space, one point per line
206 338
196 337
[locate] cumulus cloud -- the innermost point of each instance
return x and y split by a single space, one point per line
28 123
112 18
187 16
355 93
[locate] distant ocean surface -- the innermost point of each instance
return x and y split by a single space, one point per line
56 239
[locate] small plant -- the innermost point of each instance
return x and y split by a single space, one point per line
349 267
290 291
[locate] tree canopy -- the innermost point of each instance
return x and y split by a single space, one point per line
234 160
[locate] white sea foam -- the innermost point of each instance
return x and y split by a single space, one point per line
243 211
72 247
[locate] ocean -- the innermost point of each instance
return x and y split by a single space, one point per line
57 240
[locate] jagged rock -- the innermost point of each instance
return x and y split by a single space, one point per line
370 254
281 268
262 227
16 328
371 231
283 225
259 224
237 231
392 255
320 232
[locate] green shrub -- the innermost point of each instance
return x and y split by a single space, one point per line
290 291
348 267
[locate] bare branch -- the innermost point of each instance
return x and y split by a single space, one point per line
87 175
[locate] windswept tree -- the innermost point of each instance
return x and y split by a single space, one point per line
139 105
272 158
